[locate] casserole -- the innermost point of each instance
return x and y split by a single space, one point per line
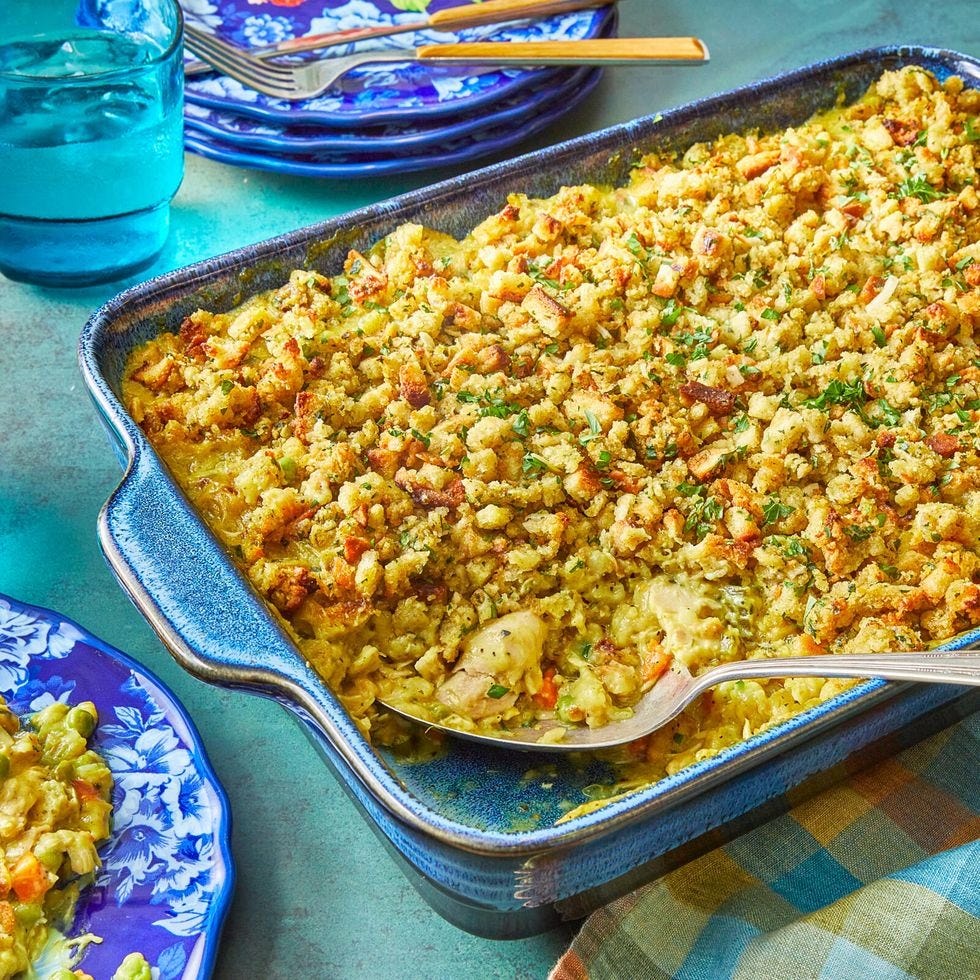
470 841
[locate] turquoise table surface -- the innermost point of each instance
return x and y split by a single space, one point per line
317 895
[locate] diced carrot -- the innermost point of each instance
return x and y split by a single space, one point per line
655 664
84 790
809 647
28 879
547 696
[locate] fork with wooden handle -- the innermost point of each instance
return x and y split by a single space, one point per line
294 82
451 19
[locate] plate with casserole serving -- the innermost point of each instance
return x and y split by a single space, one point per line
703 390
115 829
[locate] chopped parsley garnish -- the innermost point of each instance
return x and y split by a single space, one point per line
790 546
595 430
889 414
849 393
698 340
879 336
813 605
676 358
773 510
532 463
226 386
670 313
490 404
497 691
769 314
539 277
920 188
522 423
704 510
636 247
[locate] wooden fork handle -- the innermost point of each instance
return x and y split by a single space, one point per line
617 50
493 11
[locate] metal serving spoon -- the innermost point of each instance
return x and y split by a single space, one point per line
678 688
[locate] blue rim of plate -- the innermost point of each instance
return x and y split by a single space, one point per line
167 875
334 165
387 140
473 89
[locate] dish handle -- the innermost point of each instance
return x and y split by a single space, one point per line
211 620
184 584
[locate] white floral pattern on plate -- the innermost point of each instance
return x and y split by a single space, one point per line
373 94
166 875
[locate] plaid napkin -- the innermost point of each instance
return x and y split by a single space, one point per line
878 877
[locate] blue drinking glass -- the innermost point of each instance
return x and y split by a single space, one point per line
91 136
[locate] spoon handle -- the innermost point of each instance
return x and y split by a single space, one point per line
932 666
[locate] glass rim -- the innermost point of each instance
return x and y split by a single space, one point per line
156 59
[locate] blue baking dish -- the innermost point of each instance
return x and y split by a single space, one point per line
475 828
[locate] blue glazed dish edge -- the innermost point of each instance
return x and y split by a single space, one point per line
147 495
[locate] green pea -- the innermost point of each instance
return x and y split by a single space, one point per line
562 707
28 913
81 721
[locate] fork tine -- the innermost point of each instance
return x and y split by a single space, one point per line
229 53
274 84
237 63
271 85
216 42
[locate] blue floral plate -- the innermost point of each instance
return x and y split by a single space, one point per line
243 132
455 151
374 94
167 875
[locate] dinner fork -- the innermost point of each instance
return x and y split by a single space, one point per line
449 19
677 688
294 82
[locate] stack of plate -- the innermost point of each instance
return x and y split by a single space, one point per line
384 118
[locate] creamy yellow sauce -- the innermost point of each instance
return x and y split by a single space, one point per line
54 809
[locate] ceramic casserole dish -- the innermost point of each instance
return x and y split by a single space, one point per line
475 829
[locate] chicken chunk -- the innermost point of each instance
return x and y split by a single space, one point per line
498 661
